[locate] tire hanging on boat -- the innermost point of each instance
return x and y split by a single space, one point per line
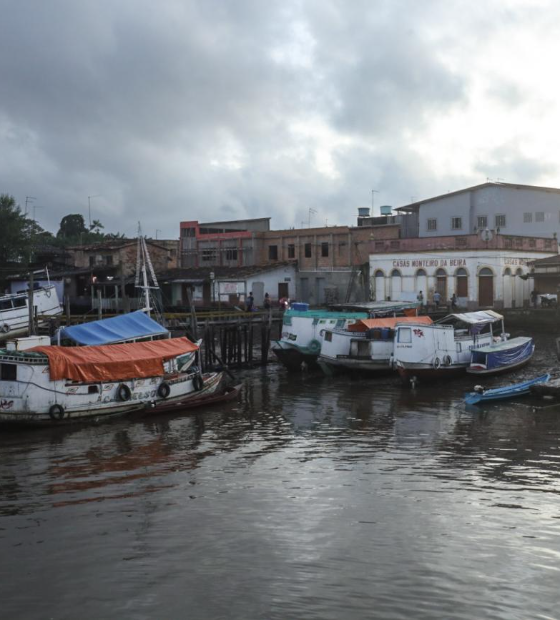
5 328
56 412
164 390
123 392
437 363
198 382
447 360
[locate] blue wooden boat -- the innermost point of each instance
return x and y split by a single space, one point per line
501 356
503 393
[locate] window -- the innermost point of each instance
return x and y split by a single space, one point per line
394 245
405 335
6 304
500 221
482 221
519 242
231 253
548 244
93 389
307 250
532 242
456 223
208 255
91 261
432 224
19 302
8 372
328 336
379 245
508 242
291 250
539 216
461 241
324 249
527 218
272 252
108 260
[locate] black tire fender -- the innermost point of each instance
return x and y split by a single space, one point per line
164 390
56 412
5 328
198 382
123 392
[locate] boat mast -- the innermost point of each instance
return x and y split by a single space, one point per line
143 265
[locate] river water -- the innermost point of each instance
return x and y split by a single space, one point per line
309 498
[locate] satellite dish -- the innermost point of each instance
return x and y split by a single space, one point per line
486 235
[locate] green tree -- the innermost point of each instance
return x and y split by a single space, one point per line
71 227
18 233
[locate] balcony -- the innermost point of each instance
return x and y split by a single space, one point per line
464 243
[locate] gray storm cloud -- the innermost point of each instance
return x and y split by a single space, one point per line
210 110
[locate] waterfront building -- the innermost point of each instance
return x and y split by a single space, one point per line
481 273
504 208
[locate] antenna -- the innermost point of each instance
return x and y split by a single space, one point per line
373 192
28 199
89 206
309 218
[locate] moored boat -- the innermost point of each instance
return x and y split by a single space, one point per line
501 356
505 392
14 310
303 330
367 345
443 349
58 385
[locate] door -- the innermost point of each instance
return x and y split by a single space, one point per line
304 289
258 293
379 286
206 293
485 287
282 290
508 292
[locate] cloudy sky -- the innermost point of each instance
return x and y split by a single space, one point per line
222 109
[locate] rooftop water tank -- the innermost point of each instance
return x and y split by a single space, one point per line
386 209
363 211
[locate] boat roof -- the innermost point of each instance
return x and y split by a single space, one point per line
389 321
506 345
474 318
325 314
116 329
114 362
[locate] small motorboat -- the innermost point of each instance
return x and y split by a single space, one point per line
503 393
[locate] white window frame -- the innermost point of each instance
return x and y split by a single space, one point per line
496 220
431 223
480 224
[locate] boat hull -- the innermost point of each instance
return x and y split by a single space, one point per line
342 365
426 372
293 359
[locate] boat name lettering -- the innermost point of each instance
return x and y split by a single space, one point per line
6 404
433 262
478 346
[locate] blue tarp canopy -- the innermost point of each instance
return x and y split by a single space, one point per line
116 329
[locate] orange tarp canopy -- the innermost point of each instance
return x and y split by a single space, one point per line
362 324
114 362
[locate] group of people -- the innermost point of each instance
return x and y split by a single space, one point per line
284 303
436 298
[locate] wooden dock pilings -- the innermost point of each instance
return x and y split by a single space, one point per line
233 341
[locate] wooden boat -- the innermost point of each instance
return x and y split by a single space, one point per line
501 356
58 385
200 399
441 350
303 330
503 393
367 345
14 310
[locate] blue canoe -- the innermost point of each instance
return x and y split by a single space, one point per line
503 393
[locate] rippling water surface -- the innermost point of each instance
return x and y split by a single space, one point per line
310 498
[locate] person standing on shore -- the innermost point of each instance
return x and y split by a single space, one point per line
437 299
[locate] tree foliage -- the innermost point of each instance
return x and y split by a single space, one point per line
18 233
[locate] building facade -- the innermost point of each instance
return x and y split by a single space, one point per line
480 273
504 208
